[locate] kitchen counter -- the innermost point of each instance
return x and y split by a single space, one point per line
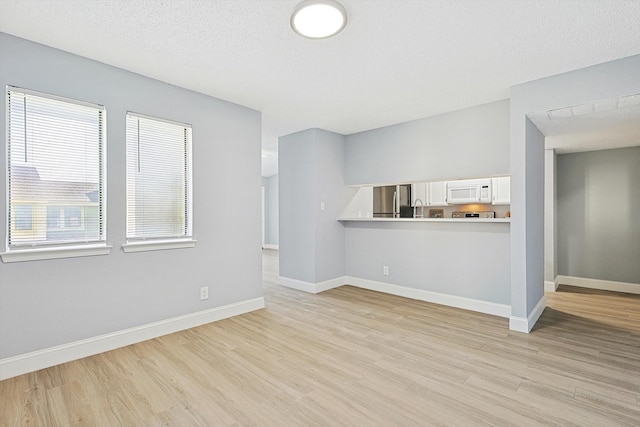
465 220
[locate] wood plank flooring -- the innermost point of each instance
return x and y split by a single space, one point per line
354 357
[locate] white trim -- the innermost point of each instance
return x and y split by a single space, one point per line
550 286
270 246
297 284
157 245
486 307
606 285
157 119
19 255
44 252
535 314
520 324
30 362
55 97
468 220
330 284
495 309
312 288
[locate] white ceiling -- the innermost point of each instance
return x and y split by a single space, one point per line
397 60
599 125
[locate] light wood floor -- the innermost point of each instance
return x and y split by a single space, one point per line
358 358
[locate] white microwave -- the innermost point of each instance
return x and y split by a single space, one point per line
469 191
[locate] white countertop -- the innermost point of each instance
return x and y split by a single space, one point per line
466 220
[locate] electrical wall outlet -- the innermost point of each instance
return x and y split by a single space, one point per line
204 293
385 270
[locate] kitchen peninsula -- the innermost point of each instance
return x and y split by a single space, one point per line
329 236
460 262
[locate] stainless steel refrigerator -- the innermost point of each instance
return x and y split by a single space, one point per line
392 201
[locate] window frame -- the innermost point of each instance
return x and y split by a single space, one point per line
141 244
42 250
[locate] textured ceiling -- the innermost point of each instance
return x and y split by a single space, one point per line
397 60
584 128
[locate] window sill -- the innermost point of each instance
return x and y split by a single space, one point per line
20 255
158 245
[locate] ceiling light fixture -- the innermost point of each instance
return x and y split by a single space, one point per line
318 19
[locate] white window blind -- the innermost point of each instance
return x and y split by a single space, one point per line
158 179
55 164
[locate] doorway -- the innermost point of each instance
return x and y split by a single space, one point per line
592 167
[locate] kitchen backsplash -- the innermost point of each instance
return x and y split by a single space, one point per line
500 210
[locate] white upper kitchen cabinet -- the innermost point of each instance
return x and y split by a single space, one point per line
501 189
437 192
419 191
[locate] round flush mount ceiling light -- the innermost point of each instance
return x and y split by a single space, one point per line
318 19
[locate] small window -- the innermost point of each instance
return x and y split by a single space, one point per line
55 158
53 217
158 179
72 217
23 217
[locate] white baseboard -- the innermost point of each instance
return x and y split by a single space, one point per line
30 362
521 324
605 285
270 246
495 309
550 286
330 284
312 288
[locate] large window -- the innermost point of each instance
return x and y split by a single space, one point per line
158 179
55 171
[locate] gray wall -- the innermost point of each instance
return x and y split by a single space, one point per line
310 169
271 232
462 259
550 217
330 190
611 79
51 302
598 205
534 195
469 143
271 220
297 203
